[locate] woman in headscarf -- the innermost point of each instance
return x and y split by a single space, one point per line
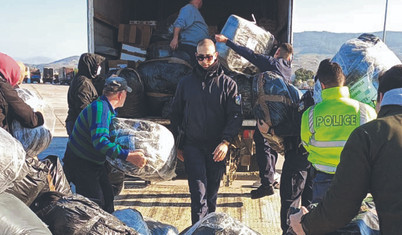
12 107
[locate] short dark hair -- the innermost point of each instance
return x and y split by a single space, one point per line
391 79
286 50
330 74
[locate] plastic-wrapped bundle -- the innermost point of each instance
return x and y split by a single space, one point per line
163 75
134 107
57 180
17 218
362 60
245 33
75 214
158 50
275 98
244 87
159 228
35 182
157 142
116 178
133 219
12 160
34 140
219 223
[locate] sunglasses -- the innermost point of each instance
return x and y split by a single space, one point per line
203 57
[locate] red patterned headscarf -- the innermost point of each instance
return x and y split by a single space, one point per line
10 69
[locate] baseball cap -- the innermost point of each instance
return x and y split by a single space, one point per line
116 84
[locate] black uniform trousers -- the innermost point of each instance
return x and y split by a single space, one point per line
266 159
296 182
204 176
91 180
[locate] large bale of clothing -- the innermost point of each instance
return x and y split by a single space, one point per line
43 176
133 219
276 104
37 139
75 214
362 60
12 161
244 33
161 77
116 178
135 106
154 139
219 223
17 218
244 88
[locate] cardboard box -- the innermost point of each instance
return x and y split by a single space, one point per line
136 34
119 64
132 53
127 33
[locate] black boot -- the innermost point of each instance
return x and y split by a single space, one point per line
262 191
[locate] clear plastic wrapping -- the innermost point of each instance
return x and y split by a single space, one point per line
219 223
34 140
133 219
12 160
244 33
362 60
156 141
17 218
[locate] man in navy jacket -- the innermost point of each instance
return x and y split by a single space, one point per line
207 106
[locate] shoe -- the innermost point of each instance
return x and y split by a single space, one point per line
262 191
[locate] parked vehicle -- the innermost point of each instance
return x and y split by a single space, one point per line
273 15
66 75
35 75
48 75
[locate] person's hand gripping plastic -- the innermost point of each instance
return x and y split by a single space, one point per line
137 158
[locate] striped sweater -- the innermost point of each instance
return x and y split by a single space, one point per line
90 138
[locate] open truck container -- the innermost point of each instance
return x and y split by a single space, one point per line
105 16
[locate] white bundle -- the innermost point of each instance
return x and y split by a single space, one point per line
35 140
156 141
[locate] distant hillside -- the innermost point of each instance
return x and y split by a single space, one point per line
71 62
312 47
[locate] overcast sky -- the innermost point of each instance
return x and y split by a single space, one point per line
57 28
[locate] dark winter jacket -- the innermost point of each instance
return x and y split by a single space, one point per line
12 107
210 105
264 62
82 90
371 162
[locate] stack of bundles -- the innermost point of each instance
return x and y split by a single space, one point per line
244 33
75 214
43 176
276 104
156 141
17 218
219 223
362 60
244 88
161 77
12 160
34 140
134 107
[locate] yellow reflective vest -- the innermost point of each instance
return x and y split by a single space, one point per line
327 125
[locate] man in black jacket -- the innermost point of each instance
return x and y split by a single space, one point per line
12 107
82 90
207 106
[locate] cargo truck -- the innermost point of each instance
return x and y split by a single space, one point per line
105 16
66 75
48 75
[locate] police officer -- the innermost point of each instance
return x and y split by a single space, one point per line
206 105
280 64
327 125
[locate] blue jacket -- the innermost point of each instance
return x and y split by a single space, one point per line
264 62
209 104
